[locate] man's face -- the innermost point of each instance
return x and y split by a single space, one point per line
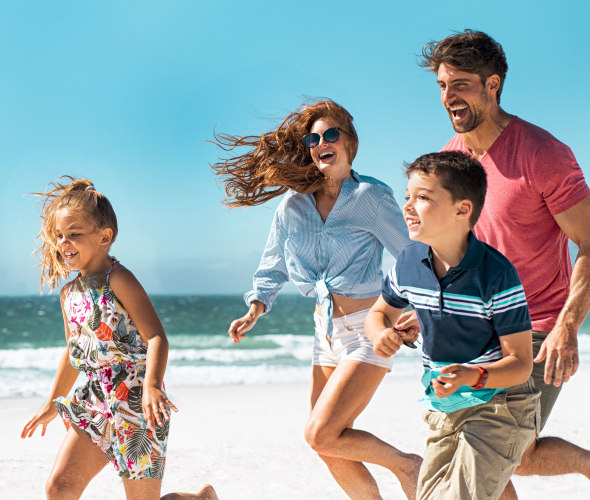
464 97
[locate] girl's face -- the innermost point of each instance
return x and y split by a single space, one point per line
82 245
330 157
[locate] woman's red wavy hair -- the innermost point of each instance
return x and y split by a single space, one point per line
278 160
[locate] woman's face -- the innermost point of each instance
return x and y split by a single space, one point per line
330 157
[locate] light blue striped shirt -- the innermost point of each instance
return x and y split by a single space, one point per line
342 255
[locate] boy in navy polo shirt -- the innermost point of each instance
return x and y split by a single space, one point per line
477 355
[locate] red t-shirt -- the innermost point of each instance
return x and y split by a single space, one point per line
531 177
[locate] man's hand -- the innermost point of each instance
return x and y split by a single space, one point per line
560 348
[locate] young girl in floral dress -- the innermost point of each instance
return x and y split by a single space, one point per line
120 413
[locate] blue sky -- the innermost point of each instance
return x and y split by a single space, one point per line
128 93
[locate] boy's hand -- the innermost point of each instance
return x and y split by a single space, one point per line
452 377
408 322
386 342
156 407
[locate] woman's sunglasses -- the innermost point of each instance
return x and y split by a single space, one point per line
329 135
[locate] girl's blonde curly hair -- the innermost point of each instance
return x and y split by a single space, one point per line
77 194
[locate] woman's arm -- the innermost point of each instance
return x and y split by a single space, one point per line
269 278
272 273
136 302
514 368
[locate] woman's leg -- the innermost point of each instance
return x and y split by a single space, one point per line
78 461
339 395
353 477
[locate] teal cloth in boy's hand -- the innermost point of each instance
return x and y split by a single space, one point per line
464 397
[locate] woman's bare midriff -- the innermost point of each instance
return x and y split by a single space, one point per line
341 306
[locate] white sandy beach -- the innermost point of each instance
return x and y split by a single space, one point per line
248 442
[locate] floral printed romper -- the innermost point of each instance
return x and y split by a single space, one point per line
106 346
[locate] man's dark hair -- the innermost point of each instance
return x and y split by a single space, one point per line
460 174
470 51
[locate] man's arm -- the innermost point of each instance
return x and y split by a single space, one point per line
561 345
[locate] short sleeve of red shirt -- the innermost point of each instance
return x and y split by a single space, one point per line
558 178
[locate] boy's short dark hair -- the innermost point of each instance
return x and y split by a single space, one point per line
470 51
460 174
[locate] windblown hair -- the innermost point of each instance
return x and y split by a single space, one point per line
94 206
460 174
279 160
470 51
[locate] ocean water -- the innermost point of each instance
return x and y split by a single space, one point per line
278 350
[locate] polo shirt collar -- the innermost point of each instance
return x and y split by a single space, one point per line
471 260
474 254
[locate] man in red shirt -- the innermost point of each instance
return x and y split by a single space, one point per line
537 199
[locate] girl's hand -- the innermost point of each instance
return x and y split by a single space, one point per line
239 327
42 417
155 406
452 377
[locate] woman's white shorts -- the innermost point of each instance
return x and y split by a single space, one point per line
348 342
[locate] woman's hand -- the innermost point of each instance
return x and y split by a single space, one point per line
452 377
42 417
239 327
156 406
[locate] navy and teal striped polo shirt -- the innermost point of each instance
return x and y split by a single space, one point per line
463 314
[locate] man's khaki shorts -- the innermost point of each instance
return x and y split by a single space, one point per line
549 392
471 453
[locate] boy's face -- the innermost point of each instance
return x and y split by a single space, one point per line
430 212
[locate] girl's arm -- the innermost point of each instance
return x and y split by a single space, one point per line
64 379
379 329
136 302
514 368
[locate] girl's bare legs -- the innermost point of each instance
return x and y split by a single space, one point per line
78 461
338 396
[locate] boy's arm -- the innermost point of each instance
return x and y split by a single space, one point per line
514 368
378 327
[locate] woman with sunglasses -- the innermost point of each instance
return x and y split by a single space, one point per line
327 236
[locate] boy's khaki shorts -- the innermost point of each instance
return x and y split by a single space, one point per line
471 453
